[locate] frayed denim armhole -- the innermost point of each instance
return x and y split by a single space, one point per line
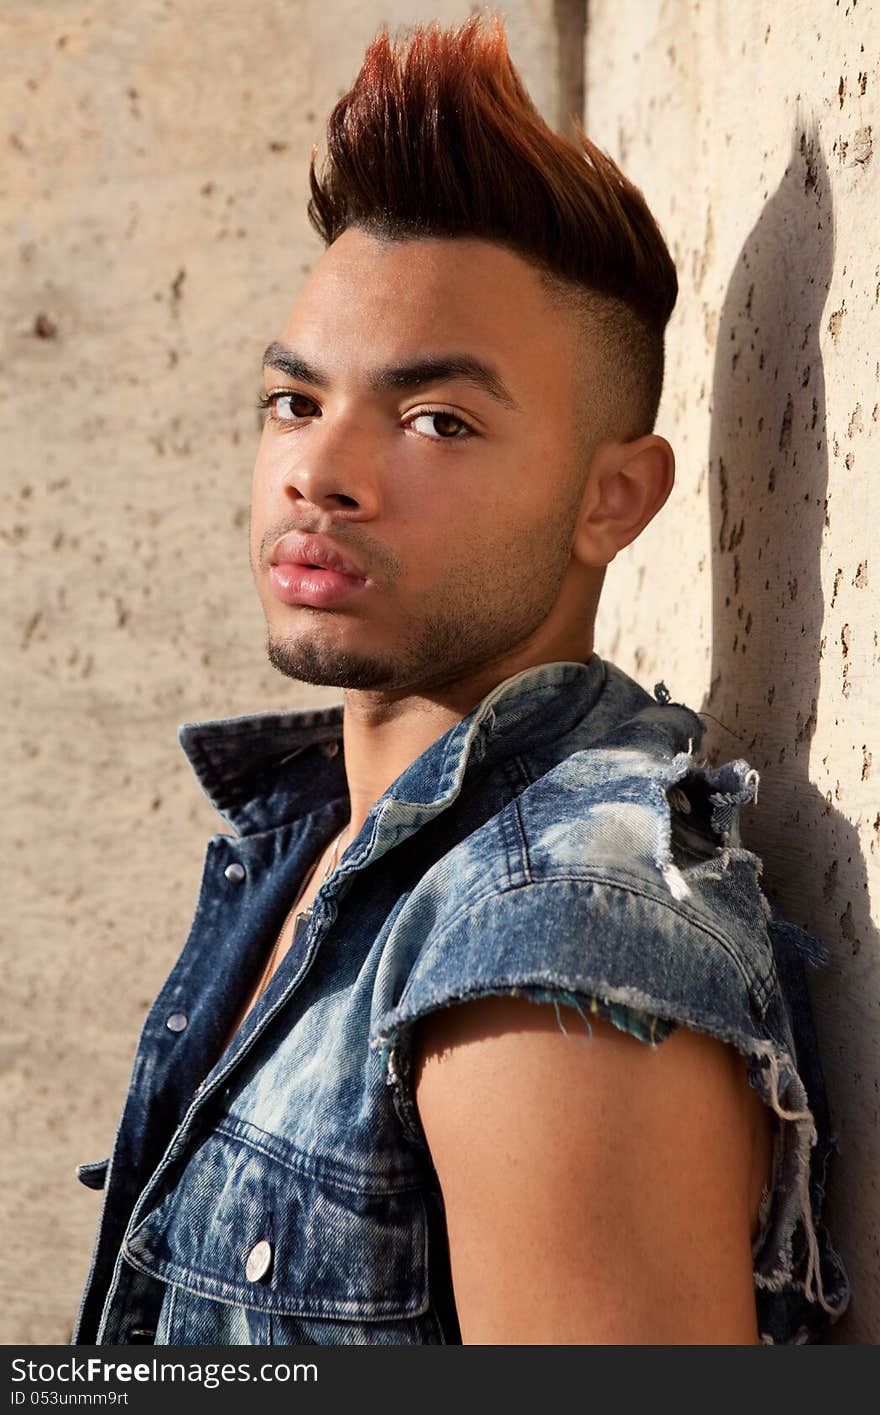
801 1283
395 1047
800 1280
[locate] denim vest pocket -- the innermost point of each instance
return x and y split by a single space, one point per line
253 1223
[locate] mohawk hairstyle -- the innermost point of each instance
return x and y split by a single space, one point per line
438 137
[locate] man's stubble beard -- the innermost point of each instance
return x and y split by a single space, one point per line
308 659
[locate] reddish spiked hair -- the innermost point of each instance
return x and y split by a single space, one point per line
438 137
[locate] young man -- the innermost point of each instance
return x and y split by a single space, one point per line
484 1030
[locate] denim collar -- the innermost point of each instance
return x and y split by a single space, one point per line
270 768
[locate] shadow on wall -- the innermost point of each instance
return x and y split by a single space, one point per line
768 476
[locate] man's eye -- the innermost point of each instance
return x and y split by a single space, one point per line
441 426
287 407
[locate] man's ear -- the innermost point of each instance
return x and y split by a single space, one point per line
626 485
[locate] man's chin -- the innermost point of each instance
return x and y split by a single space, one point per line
311 662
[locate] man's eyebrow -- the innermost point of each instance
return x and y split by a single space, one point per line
286 360
433 369
441 367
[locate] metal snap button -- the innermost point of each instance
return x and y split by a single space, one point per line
259 1260
177 1022
330 749
235 872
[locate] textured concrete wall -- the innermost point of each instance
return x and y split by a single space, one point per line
153 234
751 129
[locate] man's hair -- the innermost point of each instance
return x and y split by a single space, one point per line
437 137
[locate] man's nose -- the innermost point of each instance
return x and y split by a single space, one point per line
336 466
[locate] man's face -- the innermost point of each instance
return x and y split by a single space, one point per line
454 490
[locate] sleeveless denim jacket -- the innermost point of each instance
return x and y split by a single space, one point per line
560 843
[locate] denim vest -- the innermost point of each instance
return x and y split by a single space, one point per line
560 843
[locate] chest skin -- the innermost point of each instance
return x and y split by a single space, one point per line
287 934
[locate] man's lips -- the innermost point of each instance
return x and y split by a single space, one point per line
316 551
308 569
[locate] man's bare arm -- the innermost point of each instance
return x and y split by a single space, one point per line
597 1191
